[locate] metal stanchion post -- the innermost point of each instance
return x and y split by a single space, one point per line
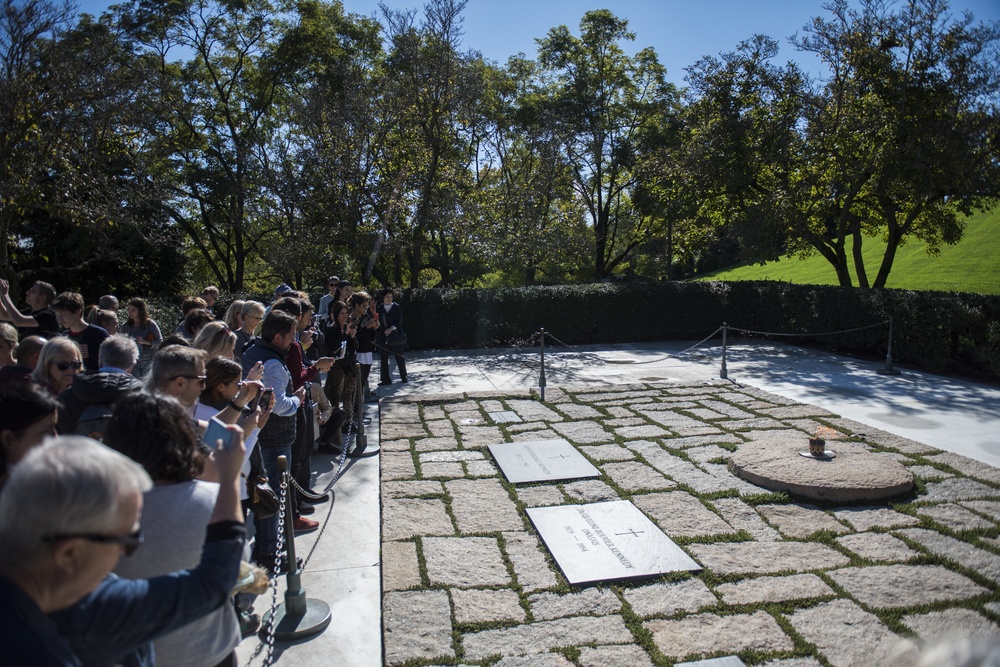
541 374
362 440
888 370
724 373
299 616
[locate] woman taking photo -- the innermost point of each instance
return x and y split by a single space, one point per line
156 432
145 332
58 362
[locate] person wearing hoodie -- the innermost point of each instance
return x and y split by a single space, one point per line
90 400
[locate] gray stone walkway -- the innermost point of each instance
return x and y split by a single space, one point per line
466 580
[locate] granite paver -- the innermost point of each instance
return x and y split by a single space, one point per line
847 636
774 589
464 562
952 624
680 514
708 633
545 635
766 557
667 599
878 547
904 585
417 626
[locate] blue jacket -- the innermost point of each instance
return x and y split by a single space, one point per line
116 623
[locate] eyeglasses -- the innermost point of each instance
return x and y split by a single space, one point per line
66 365
128 542
199 378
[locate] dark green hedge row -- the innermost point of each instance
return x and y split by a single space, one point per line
957 333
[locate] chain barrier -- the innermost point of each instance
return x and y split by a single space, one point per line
751 332
269 639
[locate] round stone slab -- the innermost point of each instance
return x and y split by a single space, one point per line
855 473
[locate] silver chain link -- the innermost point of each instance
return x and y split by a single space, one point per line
793 335
269 655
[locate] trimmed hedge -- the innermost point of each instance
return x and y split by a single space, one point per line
942 332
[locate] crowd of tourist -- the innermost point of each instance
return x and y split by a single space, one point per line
115 437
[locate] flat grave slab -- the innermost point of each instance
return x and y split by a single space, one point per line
505 417
607 542
541 461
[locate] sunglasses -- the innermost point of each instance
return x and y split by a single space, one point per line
128 542
66 365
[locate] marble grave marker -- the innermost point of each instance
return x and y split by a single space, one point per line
606 542
541 461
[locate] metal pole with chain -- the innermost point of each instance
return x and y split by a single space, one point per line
888 370
724 373
541 373
299 616
359 408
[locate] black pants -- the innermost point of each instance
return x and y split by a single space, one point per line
397 352
301 470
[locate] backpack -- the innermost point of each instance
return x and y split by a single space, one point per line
93 421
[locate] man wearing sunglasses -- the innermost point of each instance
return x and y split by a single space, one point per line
68 512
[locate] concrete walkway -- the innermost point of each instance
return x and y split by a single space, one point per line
435 477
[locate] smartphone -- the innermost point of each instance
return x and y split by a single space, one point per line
252 405
217 431
264 398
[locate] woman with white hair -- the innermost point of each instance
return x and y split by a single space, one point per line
69 511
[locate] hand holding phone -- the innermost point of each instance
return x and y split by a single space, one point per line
216 432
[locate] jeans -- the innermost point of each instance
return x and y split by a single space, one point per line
267 529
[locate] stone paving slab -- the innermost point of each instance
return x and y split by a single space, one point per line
877 547
400 566
848 636
588 602
955 517
979 560
417 626
545 635
405 517
800 520
774 589
450 559
708 633
635 476
486 606
667 599
951 625
482 506
741 516
531 568
766 557
680 514
904 585
866 518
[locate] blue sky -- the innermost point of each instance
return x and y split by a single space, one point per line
681 31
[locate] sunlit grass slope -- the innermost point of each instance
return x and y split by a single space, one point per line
973 265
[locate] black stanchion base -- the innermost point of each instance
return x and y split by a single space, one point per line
286 627
888 371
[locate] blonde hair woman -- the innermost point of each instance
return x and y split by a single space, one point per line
58 362
216 339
